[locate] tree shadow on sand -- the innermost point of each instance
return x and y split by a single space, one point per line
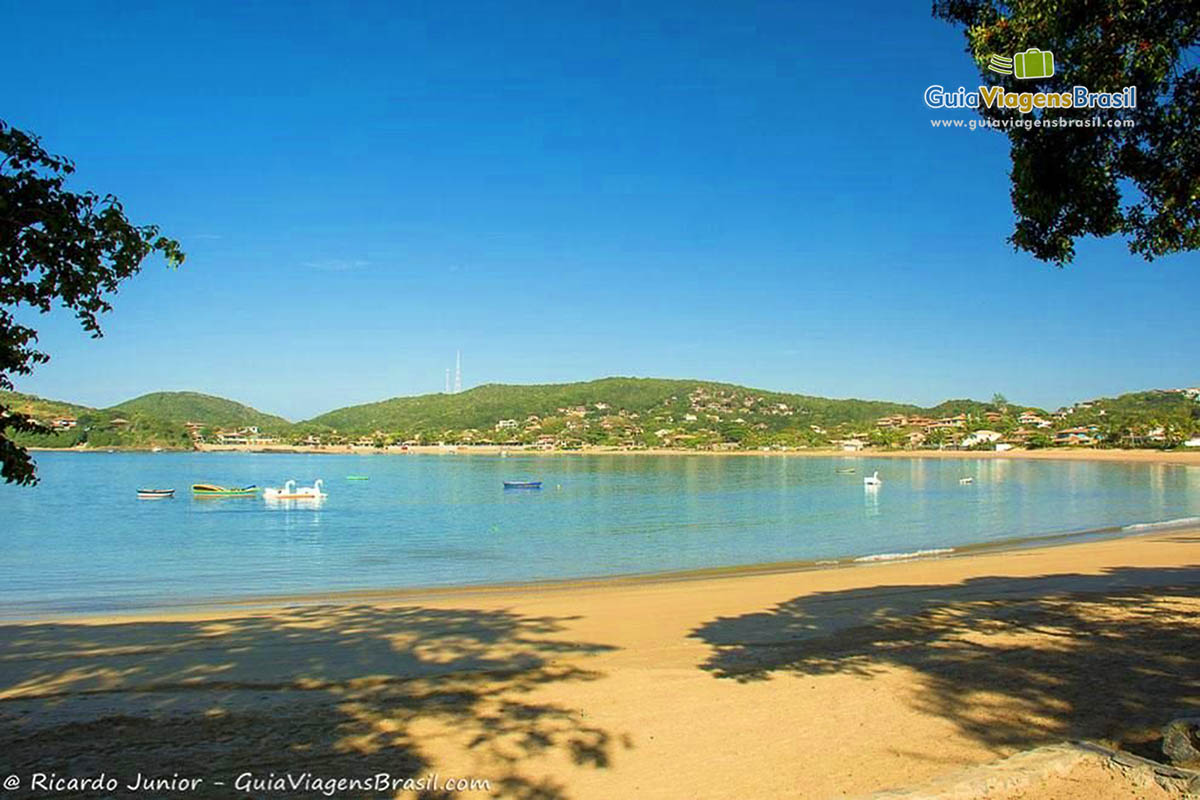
1013 662
332 691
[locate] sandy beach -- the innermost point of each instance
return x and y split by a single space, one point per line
483 401
1184 457
814 684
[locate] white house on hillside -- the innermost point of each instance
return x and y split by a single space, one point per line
980 437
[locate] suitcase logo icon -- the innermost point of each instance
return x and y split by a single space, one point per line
1032 63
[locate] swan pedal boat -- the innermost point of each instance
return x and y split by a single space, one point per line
213 490
289 491
873 480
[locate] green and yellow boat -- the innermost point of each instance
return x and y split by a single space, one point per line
213 490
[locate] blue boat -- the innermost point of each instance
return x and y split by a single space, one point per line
522 484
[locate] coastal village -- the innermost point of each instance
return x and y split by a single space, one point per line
733 420
675 416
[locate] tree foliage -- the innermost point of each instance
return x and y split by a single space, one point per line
194 406
1140 182
57 248
482 406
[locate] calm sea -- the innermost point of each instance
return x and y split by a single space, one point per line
81 541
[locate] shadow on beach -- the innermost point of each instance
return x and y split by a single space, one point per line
1012 662
332 691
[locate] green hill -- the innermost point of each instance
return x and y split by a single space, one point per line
181 407
615 411
1175 412
94 427
656 398
39 407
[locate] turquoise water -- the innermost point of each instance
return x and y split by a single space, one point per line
80 541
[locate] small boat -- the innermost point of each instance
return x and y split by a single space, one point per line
155 494
846 470
522 484
966 480
289 491
873 480
213 490
358 477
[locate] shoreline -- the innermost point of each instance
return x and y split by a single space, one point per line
253 604
1173 457
751 685
67 609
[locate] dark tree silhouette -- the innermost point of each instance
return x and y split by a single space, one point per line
331 691
57 247
1140 182
1012 662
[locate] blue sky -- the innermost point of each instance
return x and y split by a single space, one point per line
748 192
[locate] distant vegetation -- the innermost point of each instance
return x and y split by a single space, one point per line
483 406
183 407
631 413
74 425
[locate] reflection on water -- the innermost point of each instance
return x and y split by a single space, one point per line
292 503
917 474
82 540
871 499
